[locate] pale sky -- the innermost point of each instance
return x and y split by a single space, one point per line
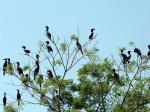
117 22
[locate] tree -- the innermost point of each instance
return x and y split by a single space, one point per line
103 85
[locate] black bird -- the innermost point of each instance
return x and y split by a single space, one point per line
59 97
124 57
138 52
50 74
5 66
92 34
4 99
18 96
27 52
79 46
148 54
19 69
36 71
116 76
10 66
49 48
48 34
129 56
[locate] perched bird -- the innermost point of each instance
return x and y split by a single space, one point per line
26 80
48 34
4 99
116 76
50 74
79 46
49 48
148 54
91 36
4 66
138 52
27 52
129 56
10 66
59 97
18 96
36 71
124 57
19 69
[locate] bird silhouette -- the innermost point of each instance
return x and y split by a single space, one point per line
5 66
10 66
50 74
138 52
49 48
129 56
91 36
36 71
79 46
59 97
18 96
4 99
19 69
124 57
148 53
27 52
48 34
116 76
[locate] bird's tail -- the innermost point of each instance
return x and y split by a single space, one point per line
4 71
18 102
81 51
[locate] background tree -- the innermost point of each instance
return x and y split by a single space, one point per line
97 88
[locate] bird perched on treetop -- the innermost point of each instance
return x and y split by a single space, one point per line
129 56
4 99
49 48
10 66
5 66
124 57
79 46
138 52
116 76
19 69
18 96
36 71
91 36
26 50
48 34
50 74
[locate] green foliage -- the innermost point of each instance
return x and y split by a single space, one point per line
10 108
26 67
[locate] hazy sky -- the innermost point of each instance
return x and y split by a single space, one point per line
117 22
